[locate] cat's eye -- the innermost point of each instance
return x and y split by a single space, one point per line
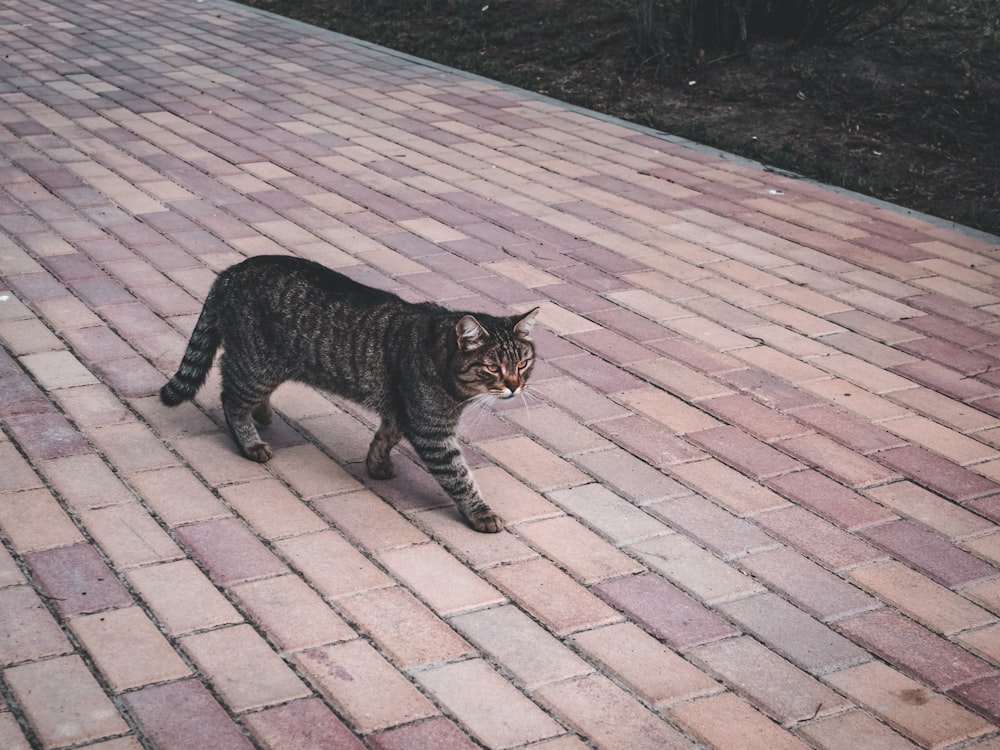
522 365
492 369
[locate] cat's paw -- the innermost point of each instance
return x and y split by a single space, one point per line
486 522
260 452
384 470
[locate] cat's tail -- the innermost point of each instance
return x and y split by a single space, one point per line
197 360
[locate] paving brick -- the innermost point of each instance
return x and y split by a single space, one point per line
439 579
132 447
129 535
33 520
513 500
664 610
929 553
29 631
310 473
921 598
713 526
806 584
128 649
818 539
928 718
439 733
11 736
942 440
576 549
85 482
271 509
170 588
184 714
45 435
493 710
583 402
331 564
76 579
520 646
10 573
608 716
837 461
533 464
556 429
746 728
216 459
743 452
938 474
301 725
15 473
178 497
842 730
727 487
649 441
631 477
773 685
549 595
831 500
643 664
363 687
915 650
931 510
63 702
404 629
290 614
476 550
982 696
610 515
791 633
229 551
243 669
673 413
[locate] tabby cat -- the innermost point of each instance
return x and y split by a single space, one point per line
416 366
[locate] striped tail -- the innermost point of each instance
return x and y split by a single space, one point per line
197 361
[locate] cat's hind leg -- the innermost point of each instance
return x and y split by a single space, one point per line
379 462
262 413
242 399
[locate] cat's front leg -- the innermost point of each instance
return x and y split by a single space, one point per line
378 461
444 460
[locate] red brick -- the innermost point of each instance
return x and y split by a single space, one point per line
301 725
982 696
938 474
829 499
438 733
743 452
818 539
76 579
664 610
914 649
229 551
184 715
929 553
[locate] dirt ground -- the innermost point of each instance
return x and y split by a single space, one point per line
910 114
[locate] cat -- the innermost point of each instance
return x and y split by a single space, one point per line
416 365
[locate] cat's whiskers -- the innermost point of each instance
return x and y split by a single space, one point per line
478 408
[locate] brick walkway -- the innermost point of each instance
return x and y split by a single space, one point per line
752 504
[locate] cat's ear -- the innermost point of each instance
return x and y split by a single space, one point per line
471 334
522 326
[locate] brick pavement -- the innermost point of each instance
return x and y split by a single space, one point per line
751 503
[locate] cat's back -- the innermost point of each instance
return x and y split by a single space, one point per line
264 275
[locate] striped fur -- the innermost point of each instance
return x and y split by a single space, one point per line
415 365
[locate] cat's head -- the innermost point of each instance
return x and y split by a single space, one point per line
494 355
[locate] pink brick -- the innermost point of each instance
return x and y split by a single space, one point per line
915 650
331 564
301 725
818 539
843 730
856 433
76 579
184 714
438 733
982 696
938 474
664 610
793 634
229 551
609 717
837 461
631 477
806 584
405 629
740 450
833 501
649 441
760 421
30 632
551 596
45 435
929 553
773 685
